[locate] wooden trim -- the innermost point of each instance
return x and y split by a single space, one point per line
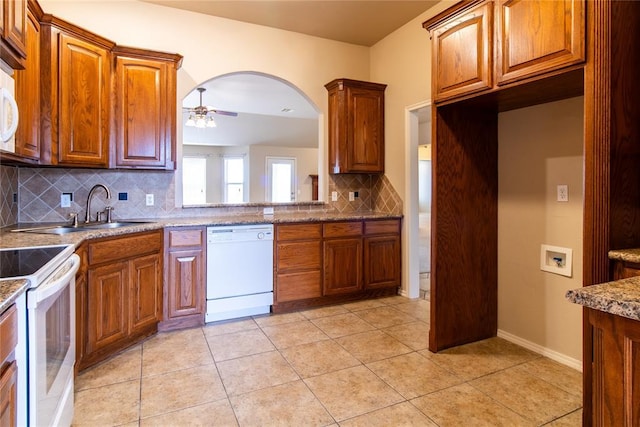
148 54
61 24
447 13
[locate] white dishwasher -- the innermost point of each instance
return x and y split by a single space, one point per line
239 271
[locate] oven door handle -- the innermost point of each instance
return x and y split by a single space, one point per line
58 280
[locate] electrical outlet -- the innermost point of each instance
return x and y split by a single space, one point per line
65 200
352 196
334 196
563 193
149 199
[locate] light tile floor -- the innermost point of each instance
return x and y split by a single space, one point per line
358 364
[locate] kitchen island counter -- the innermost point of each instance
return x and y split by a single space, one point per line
620 297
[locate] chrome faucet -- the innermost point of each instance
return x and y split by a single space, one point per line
87 218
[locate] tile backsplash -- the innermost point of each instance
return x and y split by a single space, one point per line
8 190
39 191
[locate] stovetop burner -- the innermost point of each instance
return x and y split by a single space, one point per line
26 261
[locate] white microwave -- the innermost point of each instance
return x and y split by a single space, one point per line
8 110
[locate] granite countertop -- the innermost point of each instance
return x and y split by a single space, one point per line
628 255
10 290
621 297
10 239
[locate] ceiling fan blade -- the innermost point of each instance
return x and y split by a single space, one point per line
225 113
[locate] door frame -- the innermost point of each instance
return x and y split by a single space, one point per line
410 235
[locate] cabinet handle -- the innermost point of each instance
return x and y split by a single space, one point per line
186 259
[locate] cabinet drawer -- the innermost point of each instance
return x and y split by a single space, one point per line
389 226
8 333
342 229
298 256
183 238
124 247
296 286
298 232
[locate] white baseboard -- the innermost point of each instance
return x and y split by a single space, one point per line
551 354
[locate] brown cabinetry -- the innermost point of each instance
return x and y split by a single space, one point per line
8 369
122 295
625 270
615 369
184 285
298 266
333 262
76 83
342 257
535 37
381 253
462 57
28 89
13 32
476 48
145 108
356 126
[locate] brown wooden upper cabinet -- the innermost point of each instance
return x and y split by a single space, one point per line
145 108
476 48
76 79
356 126
28 90
13 32
462 53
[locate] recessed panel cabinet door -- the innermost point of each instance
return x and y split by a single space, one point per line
342 266
366 115
382 261
28 94
462 53
107 312
184 287
83 121
535 37
145 294
143 125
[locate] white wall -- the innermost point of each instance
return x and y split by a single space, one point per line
538 148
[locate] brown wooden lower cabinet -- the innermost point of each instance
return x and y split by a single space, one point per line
625 270
332 262
184 284
615 369
118 294
8 367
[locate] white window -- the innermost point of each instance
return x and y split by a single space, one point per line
281 184
194 180
233 179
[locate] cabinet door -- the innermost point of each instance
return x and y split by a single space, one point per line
145 293
185 284
534 37
365 130
624 270
381 261
83 116
142 115
8 396
462 53
13 32
342 266
107 312
28 95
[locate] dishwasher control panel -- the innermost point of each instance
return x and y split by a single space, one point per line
239 233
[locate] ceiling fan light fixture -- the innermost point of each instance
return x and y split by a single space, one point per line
200 122
211 123
190 121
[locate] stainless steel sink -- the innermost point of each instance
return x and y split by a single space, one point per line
115 224
65 229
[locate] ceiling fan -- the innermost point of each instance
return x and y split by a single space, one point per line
199 116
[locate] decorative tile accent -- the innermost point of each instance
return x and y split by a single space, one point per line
8 187
39 191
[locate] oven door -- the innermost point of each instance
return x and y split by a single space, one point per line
51 329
